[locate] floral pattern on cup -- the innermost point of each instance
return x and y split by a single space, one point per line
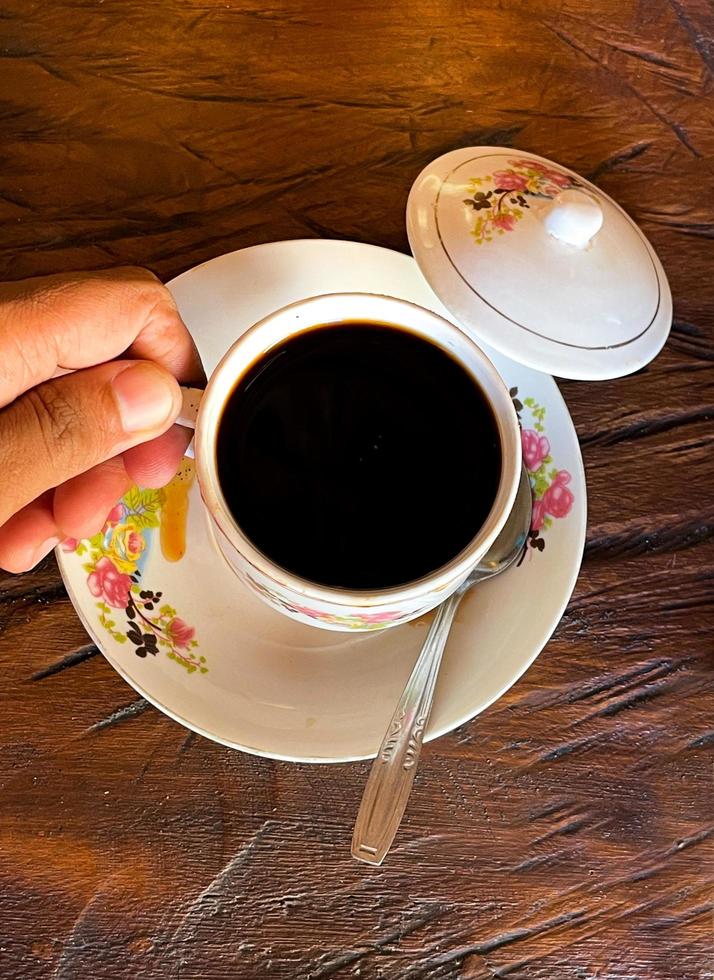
113 560
361 621
499 200
353 621
552 497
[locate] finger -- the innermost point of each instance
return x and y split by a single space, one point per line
66 426
82 503
164 338
56 324
154 463
29 535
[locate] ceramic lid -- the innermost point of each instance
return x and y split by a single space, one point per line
539 263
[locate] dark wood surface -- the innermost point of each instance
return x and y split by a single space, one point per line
567 833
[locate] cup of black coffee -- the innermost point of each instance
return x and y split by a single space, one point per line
357 455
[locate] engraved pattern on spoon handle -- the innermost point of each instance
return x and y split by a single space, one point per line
390 780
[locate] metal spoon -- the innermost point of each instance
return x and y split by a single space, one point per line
390 780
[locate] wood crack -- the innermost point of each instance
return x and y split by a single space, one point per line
616 160
653 534
701 741
326 970
568 748
78 656
497 942
640 425
643 54
121 714
703 42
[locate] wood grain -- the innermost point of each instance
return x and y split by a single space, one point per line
568 832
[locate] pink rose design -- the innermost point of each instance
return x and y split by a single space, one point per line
560 180
547 173
558 499
537 515
509 180
534 165
134 542
305 610
69 544
530 165
384 617
506 222
107 583
115 516
181 633
535 448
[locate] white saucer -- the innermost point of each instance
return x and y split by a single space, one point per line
227 666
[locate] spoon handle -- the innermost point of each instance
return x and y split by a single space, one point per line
390 780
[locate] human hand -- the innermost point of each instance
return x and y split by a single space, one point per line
88 395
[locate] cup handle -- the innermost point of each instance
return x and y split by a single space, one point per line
189 412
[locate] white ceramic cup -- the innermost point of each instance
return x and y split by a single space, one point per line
306 601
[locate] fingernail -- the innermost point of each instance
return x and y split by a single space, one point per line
146 396
44 549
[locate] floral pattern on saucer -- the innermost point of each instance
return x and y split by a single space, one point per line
113 561
552 498
498 208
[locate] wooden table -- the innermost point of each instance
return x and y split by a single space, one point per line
567 832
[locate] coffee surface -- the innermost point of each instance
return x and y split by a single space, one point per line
358 455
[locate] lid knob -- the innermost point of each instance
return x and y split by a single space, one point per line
573 217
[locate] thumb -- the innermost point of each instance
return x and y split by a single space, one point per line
65 426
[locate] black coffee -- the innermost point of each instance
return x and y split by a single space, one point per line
358 455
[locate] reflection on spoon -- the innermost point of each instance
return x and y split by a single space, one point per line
174 512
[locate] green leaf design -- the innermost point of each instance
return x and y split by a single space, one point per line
145 520
142 502
539 481
138 501
132 499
